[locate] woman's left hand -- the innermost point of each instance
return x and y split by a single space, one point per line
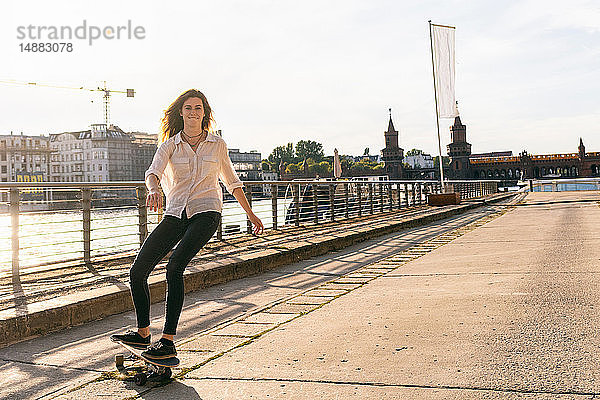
257 225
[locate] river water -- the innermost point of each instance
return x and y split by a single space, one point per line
565 187
56 236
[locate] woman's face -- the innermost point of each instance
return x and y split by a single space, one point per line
192 113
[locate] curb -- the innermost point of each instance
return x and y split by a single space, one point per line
67 311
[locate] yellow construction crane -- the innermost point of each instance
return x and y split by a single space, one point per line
107 92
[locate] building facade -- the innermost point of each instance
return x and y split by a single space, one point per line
247 165
100 154
24 158
143 147
419 161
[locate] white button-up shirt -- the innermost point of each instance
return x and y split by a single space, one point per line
190 179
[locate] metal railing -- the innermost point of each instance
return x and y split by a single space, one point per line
46 224
563 185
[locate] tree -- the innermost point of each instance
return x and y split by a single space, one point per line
364 167
279 153
366 152
322 168
293 169
414 152
309 149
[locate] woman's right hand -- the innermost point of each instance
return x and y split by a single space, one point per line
154 201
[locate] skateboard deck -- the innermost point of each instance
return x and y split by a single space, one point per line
155 370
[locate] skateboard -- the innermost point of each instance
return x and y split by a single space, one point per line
153 370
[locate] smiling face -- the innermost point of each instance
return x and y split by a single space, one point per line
192 113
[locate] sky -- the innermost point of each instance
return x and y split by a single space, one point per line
527 71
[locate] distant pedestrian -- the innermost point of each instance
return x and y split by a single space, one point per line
187 165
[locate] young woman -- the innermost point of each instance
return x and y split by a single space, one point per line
187 165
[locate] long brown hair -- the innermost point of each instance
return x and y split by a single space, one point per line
172 122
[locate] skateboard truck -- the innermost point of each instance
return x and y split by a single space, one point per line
152 371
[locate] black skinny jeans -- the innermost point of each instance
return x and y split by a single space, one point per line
194 233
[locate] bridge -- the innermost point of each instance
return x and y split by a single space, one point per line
493 298
509 169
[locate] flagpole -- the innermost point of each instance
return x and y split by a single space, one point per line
437 118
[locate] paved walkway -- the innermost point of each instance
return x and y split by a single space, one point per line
37 303
508 310
499 302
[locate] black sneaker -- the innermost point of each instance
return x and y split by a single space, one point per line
160 350
132 338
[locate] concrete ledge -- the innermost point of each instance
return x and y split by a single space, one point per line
78 308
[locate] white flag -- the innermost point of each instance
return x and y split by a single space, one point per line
337 165
443 61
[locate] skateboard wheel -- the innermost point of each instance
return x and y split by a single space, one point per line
167 374
119 360
140 379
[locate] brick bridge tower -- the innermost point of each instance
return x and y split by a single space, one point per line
392 155
581 149
459 151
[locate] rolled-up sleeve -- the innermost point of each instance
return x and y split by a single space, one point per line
160 160
227 172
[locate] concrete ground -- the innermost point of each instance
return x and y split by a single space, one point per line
41 301
500 302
